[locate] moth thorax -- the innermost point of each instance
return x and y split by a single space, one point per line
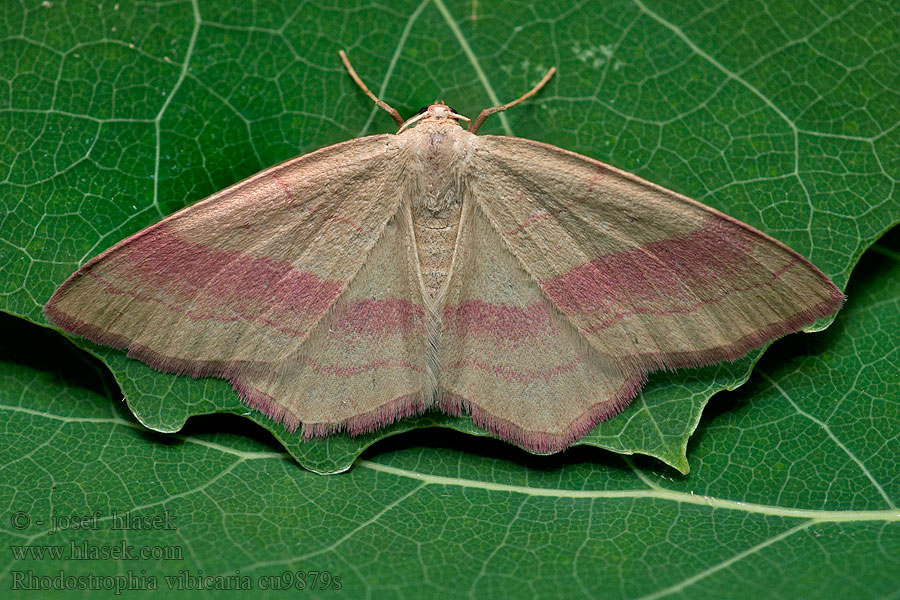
439 199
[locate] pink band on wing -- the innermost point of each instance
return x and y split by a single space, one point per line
499 322
226 279
655 274
377 317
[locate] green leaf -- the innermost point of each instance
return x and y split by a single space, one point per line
793 494
116 114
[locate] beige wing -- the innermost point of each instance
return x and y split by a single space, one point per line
287 284
514 361
650 278
574 280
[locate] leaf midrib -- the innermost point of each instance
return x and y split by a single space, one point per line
652 493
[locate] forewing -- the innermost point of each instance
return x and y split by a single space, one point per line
649 277
511 358
237 284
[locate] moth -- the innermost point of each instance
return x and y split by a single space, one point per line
529 286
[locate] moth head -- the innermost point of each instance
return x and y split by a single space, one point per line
433 113
439 110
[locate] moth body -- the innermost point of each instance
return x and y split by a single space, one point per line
438 149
